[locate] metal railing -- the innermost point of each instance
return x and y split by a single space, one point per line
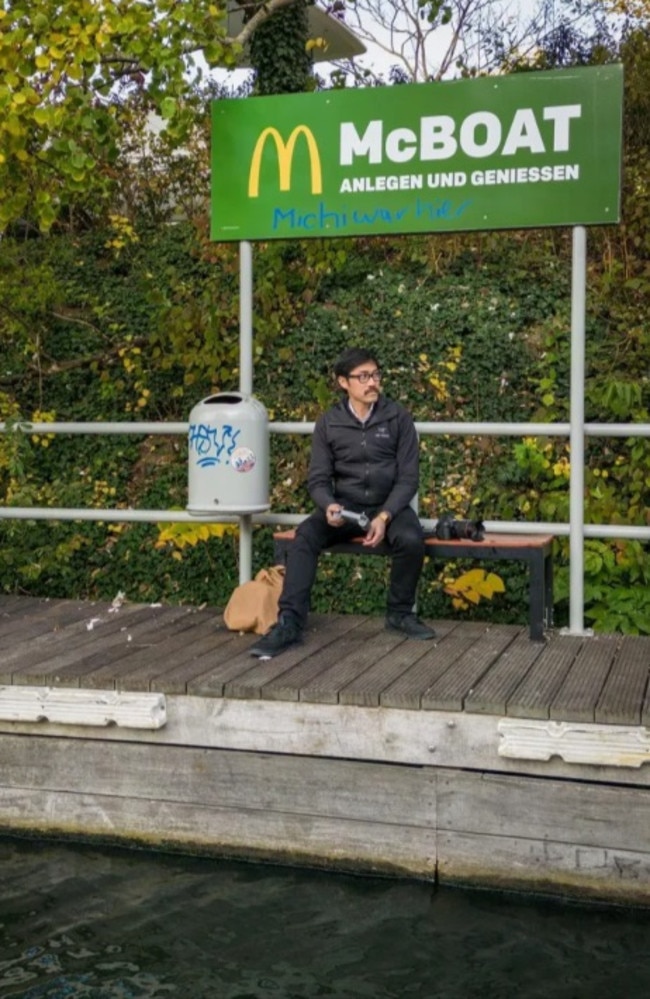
131 515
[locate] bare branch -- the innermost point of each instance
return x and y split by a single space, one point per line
462 30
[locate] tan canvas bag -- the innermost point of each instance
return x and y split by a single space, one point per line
253 606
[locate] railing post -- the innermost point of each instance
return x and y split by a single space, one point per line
577 434
245 386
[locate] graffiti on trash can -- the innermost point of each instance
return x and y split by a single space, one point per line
212 445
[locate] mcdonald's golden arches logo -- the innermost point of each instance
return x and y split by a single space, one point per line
285 151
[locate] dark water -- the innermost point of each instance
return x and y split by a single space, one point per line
79 922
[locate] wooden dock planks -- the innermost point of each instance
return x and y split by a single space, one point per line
448 692
492 692
345 659
532 697
367 688
578 695
622 698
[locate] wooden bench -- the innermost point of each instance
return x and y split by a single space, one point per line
533 549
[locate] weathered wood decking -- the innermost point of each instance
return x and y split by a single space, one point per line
357 750
346 659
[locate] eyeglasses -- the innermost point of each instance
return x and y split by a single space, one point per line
365 376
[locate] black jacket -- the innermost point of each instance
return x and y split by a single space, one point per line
365 466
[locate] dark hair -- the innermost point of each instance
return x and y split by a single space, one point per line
351 359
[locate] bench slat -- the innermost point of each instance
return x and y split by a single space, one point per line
489 541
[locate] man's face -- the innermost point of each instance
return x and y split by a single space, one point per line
362 384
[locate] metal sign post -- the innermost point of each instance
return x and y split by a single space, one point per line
577 436
245 387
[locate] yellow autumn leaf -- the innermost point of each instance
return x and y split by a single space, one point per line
465 593
486 584
182 534
474 585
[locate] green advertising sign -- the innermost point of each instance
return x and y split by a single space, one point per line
502 152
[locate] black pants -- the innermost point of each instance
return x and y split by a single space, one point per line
404 536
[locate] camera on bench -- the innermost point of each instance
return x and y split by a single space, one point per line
450 529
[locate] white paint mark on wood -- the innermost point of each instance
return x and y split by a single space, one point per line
574 742
64 706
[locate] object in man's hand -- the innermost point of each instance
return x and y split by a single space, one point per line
362 520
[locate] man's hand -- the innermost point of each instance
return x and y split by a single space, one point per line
333 514
376 532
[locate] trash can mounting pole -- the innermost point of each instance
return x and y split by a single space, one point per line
246 386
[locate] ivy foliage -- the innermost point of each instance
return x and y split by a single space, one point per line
279 52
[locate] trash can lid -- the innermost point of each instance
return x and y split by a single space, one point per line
227 397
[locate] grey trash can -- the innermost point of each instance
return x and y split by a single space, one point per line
228 456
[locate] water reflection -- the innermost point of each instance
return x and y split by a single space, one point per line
85 923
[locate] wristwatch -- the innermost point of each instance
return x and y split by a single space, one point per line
385 516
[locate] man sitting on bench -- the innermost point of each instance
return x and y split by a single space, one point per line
364 459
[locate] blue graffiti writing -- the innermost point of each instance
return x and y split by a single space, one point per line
440 208
328 220
212 445
324 220
379 214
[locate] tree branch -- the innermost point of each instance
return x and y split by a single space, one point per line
265 11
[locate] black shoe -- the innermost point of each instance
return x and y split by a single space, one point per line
409 625
282 636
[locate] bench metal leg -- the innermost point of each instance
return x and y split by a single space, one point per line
538 591
548 590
